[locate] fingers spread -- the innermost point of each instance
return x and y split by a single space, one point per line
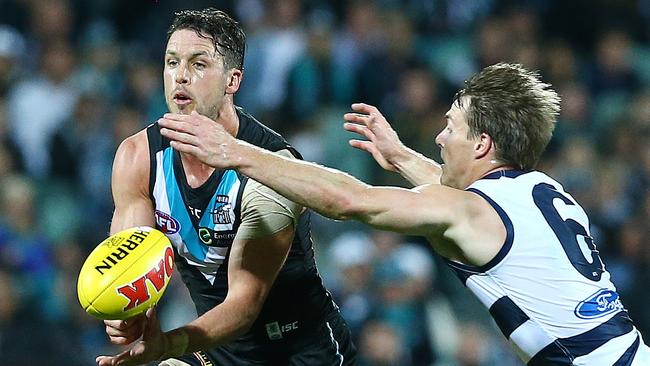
361 130
362 145
364 108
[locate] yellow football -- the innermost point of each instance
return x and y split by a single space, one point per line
126 274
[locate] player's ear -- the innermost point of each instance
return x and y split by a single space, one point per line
234 80
484 144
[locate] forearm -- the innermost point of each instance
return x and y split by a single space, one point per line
223 324
417 168
327 191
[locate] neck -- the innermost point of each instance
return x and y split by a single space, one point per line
498 167
196 172
228 118
483 171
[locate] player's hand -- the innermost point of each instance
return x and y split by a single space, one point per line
200 136
382 141
127 331
150 348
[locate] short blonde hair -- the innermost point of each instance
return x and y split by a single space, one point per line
514 107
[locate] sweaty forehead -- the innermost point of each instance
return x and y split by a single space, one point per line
186 41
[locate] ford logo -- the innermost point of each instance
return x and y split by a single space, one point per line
166 223
599 304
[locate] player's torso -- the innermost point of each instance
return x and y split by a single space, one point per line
547 286
202 223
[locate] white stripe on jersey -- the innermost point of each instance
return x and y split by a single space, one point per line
529 338
610 352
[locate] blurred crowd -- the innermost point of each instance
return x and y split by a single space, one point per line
77 77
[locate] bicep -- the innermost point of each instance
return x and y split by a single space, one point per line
254 264
458 224
130 185
423 211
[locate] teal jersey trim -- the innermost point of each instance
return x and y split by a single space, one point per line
179 211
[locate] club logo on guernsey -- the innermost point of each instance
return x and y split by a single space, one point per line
601 303
222 209
166 223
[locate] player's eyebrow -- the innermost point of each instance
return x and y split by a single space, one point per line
193 55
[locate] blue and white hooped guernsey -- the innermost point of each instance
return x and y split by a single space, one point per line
547 289
172 214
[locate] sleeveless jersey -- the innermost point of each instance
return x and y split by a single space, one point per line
297 300
547 288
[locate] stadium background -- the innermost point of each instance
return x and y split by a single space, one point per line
76 77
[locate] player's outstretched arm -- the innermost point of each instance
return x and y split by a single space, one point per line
386 148
453 220
330 192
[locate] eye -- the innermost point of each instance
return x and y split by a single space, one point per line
199 65
172 63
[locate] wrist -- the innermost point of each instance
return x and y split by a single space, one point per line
245 155
176 342
403 159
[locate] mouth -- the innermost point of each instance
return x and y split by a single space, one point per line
182 98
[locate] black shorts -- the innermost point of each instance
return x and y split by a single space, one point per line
328 344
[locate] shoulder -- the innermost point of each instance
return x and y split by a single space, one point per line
260 198
472 230
132 159
134 148
264 212
460 203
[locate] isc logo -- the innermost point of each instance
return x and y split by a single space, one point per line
137 292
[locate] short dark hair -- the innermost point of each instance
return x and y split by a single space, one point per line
226 34
514 107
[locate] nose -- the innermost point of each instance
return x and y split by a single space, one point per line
182 76
439 138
